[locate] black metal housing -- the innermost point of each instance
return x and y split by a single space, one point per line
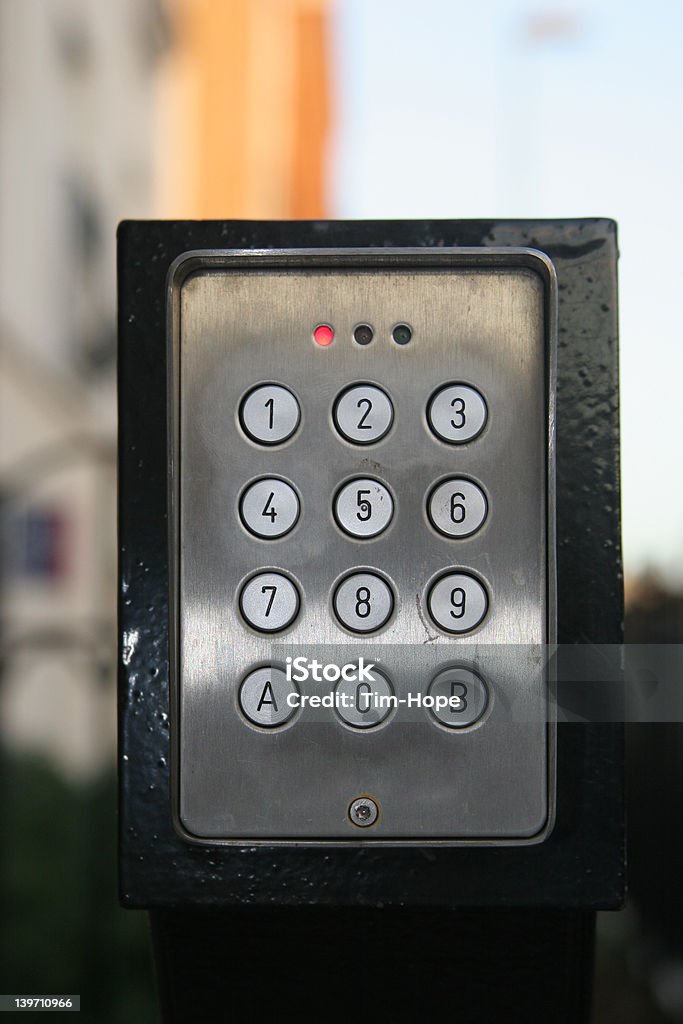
581 865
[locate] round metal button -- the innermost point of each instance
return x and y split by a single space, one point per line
457 413
363 602
269 601
263 697
457 602
363 413
364 703
457 507
270 413
466 694
269 507
363 507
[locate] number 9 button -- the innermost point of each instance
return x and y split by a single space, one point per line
269 508
269 602
457 602
363 507
457 507
363 602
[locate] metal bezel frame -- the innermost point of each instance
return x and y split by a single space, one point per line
366 259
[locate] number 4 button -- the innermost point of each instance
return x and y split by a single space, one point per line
269 508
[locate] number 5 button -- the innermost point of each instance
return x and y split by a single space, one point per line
363 413
457 507
457 602
269 508
269 602
457 413
363 507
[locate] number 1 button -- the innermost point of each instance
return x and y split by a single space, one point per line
363 414
269 508
269 414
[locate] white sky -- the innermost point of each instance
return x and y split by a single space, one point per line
448 108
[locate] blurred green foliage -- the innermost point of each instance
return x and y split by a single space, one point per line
62 928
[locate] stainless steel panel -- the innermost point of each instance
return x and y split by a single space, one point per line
480 318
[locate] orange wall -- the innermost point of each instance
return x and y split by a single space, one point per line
245 109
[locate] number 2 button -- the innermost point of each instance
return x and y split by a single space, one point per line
363 414
269 508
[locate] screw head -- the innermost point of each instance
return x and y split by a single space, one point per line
363 811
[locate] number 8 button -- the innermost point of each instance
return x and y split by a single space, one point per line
363 602
269 508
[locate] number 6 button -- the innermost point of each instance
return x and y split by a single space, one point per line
363 507
363 413
457 602
457 507
269 602
363 602
269 508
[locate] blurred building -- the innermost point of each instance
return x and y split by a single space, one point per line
77 114
188 108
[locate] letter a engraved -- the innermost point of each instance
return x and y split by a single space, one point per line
271 700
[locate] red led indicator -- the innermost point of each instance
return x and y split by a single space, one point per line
323 334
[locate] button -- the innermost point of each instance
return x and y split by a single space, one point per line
269 507
363 413
457 507
457 602
263 697
270 414
269 602
457 413
366 702
363 507
466 693
363 602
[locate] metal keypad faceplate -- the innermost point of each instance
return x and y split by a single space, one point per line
482 320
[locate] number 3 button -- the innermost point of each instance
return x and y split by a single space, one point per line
269 508
363 507
363 602
457 413
457 602
363 414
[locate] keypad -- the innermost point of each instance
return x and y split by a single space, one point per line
363 507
